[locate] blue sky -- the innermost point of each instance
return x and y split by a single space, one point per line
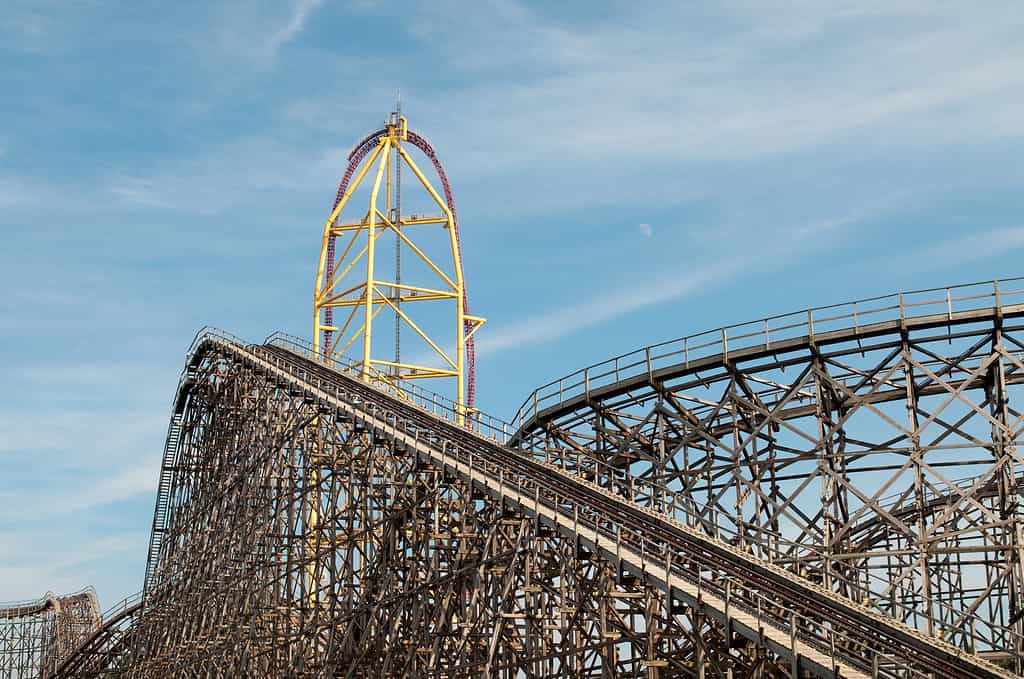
625 174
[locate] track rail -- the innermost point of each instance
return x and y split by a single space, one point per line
37 636
810 328
812 626
797 555
95 652
822 439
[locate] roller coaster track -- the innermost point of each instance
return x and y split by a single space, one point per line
661 363
832 438
36 636
649 516
816 629
100 652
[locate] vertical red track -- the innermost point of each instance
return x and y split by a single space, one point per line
355 157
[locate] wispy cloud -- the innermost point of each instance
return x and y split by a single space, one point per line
625 113
592 124
211 182
72 426
27 28
301 12
66 462
18 192
750 97
974 246
729 90
136 480
556 323
142 192
553 324
33 566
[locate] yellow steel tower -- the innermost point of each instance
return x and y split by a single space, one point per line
347 278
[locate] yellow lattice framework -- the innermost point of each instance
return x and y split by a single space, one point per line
349 281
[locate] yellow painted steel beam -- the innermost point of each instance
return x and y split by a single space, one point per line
415 288
419 369
414 326
343 294
427 185
380 300
419 221
318 285
426 260
335 350
370 242
427 375
418 294
339 274
348 227
460 310
344 329
477 322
